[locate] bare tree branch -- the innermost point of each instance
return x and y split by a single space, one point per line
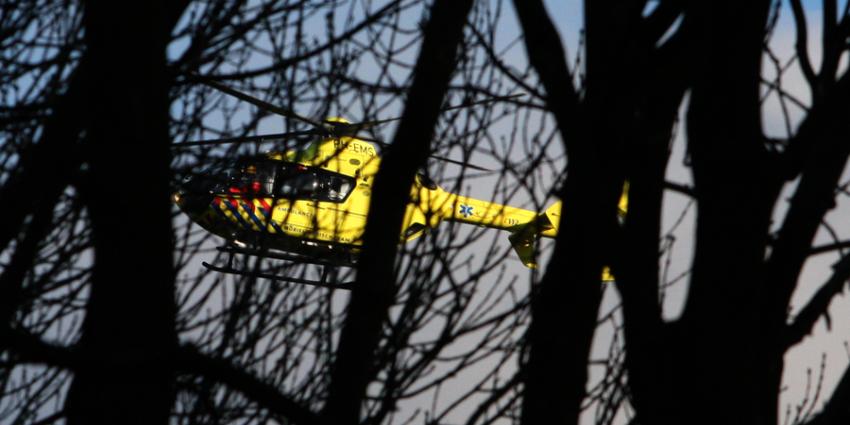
819 304
376 286
193 362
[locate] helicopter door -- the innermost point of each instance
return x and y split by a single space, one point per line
294 209
336 218
311 203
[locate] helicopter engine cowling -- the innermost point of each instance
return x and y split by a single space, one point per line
422 212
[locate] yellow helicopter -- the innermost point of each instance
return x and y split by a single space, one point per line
311 204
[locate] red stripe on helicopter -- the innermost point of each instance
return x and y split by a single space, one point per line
234 210
265 205
249 206
266 209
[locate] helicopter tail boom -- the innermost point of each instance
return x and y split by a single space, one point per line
525 226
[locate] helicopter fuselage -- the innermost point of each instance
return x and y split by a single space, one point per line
316 201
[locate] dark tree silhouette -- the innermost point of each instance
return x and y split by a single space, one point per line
107 317
126 355
722 360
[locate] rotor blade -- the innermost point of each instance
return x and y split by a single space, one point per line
461 163
383 144
365 125
378 142
256 102
245 139
483 101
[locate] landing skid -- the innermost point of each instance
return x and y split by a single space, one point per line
327 279
271 276
285 256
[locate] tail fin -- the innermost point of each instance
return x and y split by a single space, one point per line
523 239
552 216
523 243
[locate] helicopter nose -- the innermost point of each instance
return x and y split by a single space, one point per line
193 195
192 203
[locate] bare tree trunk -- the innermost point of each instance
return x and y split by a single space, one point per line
42 176
126 374
663 85
566 303
375 288
724 360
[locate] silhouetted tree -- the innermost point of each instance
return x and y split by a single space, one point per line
721 361
107 317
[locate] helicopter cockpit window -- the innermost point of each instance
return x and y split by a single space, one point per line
300 182
296 182
247 178
333 187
